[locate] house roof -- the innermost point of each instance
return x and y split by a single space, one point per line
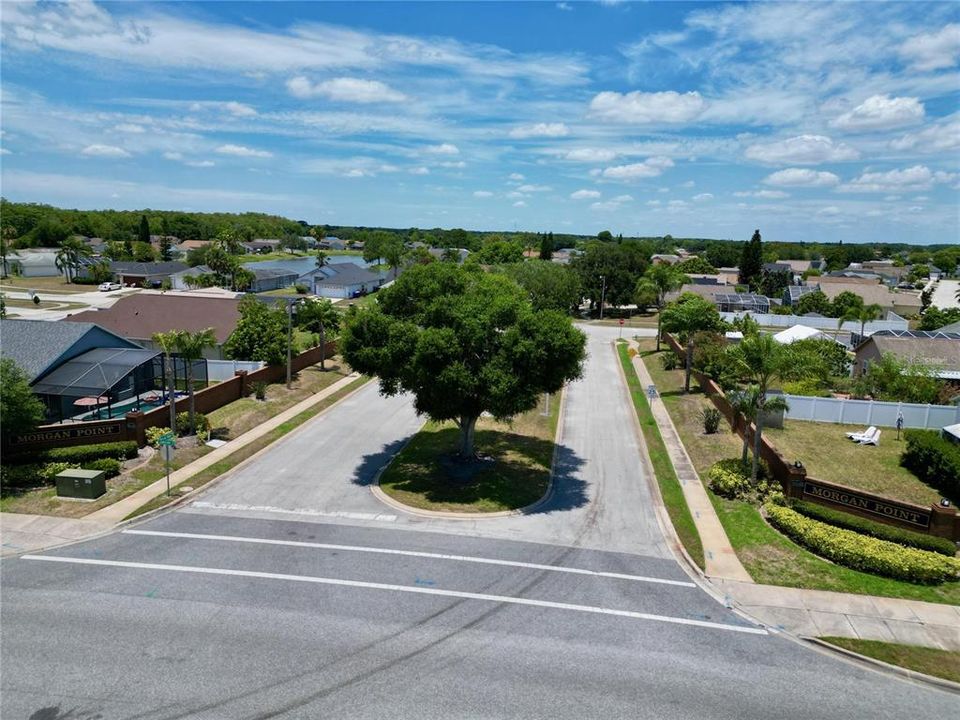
349 274
943 351
142 315
797 332
872 293
191 244
151 268
273 272
93 372
35 345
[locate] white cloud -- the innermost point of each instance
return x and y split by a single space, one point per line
688 184
482 193
419 171
519 203
881 112
802 149
516 176
345 89
612 204
239 109
454 164
200 163
703 197
514 194
4 151
653 203
918 177
677 203
110 151
801 177
763 194
173 156
651 167
243 151
647 108
131 128
534 188
564 6
442 149
591 155
540 130
584 195
938 138
933 51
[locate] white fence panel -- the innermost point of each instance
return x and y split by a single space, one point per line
220 370
867 412
821 323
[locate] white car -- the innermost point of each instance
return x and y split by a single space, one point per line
108 286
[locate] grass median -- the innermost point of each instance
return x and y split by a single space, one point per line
929 661
666 476
513 472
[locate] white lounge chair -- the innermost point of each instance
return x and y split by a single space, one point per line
858 436
874 440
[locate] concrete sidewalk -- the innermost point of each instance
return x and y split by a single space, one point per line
20 532
806 613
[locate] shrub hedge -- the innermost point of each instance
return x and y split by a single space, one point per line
111 466
123 450
934 460
728 479
877 530
859 552
32 475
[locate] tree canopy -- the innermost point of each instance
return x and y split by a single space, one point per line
549 285
751 262
20 409
463 342
261 333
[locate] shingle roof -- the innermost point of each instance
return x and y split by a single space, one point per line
349 274
152 268
35 345
872 293
944 351
142 315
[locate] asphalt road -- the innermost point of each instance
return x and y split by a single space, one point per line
293 593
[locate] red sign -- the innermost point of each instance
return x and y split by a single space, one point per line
621 321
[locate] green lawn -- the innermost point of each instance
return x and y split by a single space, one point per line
49 284
929 661
768 556
670 488
516 474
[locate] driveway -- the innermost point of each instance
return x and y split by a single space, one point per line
602 499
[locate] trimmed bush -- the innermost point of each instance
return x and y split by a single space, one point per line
873 529
32 475
154 434
934 460
199 419
859 552
111 466
728 479
79 454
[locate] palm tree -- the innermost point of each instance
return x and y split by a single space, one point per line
68 256
764 361
7 236
191 346
322 259
167 341
745 403
665 278
320 314
863 315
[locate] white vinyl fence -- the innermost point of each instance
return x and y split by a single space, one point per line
868 412
220 370
821 323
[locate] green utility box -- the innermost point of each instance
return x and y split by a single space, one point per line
81 484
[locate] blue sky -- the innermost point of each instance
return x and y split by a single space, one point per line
811 121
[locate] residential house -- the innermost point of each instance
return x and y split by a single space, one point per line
664 259
138 317
346 281
905 304
261 246
35 262
936 348
439 253
332 243
67 361
793 293
264 279
137 274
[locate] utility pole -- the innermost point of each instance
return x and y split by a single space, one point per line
603 293
290 308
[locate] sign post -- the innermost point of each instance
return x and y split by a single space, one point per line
167 444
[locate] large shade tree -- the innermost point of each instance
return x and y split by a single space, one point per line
463 342
20 410
659 280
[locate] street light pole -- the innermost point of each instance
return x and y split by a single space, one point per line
603 293
289 339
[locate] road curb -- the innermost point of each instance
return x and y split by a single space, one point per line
881 666
383 497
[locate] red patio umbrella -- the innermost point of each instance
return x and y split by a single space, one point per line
91 401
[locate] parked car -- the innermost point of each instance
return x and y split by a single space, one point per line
108 286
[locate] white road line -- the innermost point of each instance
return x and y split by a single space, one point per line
411 553
300 511
401 588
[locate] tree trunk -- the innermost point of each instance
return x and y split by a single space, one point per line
659 309
467 427
193 426
686 380
756 445
323 347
